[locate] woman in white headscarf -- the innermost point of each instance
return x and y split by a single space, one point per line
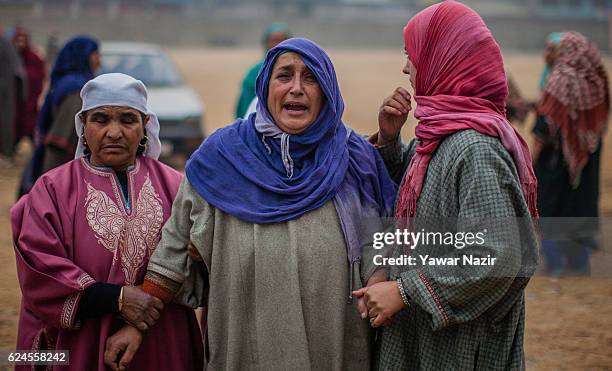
84 234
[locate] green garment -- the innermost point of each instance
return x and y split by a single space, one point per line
248 90
464 318
553 38
248 93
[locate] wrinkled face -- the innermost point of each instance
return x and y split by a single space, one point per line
410 70
275 38
94 61
113 134
294 95
21 42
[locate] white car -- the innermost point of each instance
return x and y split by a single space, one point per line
180 112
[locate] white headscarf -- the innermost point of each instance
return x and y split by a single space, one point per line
120 90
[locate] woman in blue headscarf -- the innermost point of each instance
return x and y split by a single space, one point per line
55 138
279 206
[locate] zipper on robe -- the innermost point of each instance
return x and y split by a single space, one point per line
356 260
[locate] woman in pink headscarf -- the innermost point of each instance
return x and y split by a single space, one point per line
468 171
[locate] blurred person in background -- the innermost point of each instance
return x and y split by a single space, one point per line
272 36
84 234
35 70
517 107
12 89
52 48
272 203
55 139
572 119
469 165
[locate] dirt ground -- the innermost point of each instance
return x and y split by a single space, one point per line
569 330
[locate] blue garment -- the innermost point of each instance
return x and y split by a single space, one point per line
568 256
233 170
70 72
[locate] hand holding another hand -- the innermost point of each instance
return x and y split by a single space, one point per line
383 301
139 308
379 276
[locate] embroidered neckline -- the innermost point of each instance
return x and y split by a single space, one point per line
104 170
130 238
108 172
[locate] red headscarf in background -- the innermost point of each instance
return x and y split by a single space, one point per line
576 100
460 84
36 70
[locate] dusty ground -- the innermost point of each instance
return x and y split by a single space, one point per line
569 330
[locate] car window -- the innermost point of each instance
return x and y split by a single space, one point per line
152 70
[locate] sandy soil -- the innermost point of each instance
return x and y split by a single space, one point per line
569 330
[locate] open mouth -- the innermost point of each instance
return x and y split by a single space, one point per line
295 107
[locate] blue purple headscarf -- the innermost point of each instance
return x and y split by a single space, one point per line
245 176
70 72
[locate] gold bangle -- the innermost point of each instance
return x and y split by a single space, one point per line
120 301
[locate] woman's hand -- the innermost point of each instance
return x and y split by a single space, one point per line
124 343
383 301
377 277
392 115
139 308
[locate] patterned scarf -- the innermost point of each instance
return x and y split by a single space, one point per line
576 100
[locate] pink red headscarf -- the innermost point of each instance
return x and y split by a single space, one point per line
460 84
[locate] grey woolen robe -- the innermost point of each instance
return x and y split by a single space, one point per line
278 292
